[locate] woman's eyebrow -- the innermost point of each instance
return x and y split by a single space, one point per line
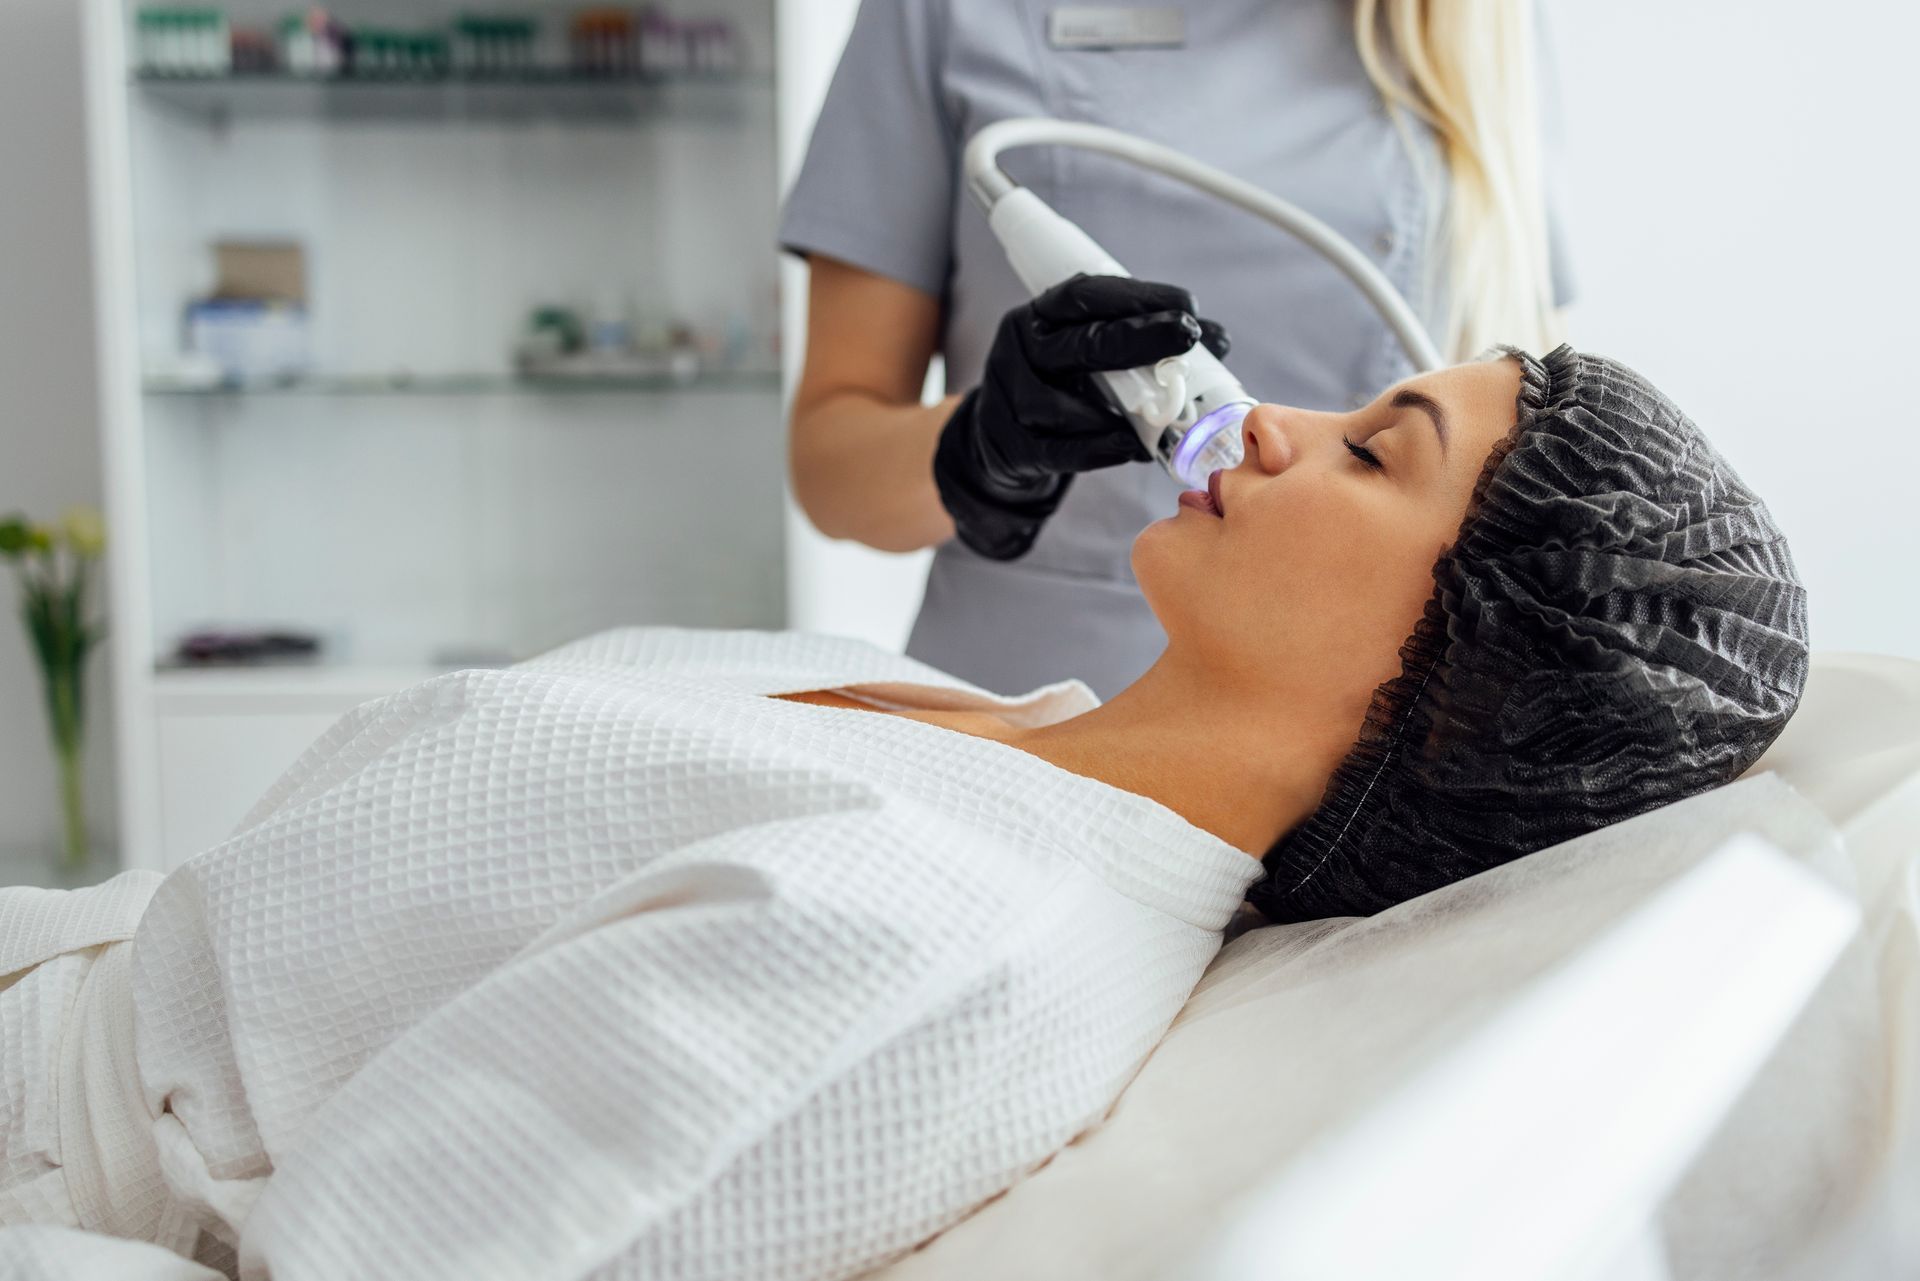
1408 398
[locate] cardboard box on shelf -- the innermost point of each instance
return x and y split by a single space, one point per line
260 271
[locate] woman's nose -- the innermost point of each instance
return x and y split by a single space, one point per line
1263 438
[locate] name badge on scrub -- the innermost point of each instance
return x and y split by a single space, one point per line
1106 27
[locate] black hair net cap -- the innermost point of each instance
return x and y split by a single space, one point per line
1617 626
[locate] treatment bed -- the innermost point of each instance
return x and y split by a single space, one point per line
1305 1115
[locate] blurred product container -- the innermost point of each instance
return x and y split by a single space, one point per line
672 46
610 41
246 646
253 328
255 52
604 42
252 343
380 53
182 42
611 345
313 44
711 45
650 42
495 45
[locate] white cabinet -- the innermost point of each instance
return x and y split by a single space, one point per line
418 499
223 737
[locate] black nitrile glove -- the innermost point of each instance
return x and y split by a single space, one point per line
1006 457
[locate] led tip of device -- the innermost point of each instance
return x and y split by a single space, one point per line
1212 444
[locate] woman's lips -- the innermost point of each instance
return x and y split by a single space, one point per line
1199 500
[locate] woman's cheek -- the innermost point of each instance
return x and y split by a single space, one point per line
1309 530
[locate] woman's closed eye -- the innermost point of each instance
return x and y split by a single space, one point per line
1364 454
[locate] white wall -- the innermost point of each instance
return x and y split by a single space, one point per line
1742 194
49 451
1711 144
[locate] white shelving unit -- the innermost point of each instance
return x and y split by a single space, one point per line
415 502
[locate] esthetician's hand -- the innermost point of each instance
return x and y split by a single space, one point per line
1014 444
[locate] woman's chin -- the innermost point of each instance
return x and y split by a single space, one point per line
1166 547
1184 518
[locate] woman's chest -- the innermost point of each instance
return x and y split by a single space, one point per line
1261 88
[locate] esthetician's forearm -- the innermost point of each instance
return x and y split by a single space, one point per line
862 469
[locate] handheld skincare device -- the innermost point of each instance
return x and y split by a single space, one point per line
1187 409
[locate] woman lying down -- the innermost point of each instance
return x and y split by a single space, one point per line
753 956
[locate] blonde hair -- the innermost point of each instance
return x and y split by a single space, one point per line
1466 69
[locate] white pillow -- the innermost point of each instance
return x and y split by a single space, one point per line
1295 1029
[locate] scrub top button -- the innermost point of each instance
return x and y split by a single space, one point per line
1384 242
1358 400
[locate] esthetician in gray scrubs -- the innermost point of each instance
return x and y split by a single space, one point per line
1031 581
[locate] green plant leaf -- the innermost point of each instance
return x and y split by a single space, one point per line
55 575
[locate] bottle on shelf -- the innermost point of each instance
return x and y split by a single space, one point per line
182 42
604 42
312 44
494 46
255 52
600 41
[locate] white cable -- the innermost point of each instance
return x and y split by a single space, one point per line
988 183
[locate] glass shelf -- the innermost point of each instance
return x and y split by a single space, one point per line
527 95
728 380
288 688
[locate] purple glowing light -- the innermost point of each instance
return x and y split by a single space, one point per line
1226 418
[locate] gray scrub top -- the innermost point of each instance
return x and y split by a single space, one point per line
1270 90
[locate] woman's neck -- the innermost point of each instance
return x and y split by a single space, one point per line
1243 765
1224 754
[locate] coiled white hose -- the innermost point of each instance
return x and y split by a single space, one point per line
988 183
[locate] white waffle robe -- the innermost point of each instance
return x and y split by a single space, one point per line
606 965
